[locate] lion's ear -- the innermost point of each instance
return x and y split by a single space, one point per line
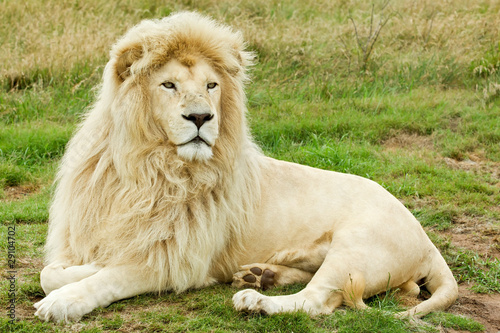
246 58
125 61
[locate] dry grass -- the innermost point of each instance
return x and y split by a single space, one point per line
57 35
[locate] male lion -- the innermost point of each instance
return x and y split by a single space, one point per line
162 188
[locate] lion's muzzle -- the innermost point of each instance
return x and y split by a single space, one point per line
199 119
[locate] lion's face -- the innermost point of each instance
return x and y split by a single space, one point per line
186 102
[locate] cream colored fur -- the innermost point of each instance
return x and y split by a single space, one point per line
142 207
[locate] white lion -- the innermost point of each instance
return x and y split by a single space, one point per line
162 188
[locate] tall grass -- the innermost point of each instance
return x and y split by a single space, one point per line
43 38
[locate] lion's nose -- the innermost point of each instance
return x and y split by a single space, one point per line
198 118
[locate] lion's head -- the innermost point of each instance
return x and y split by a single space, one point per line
186 102
180 81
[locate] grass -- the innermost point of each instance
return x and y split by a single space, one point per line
420 115
455 322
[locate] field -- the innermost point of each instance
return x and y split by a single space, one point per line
406 93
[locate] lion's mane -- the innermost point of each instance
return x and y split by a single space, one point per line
123 196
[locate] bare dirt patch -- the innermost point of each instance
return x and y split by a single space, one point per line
477 163
478 235
13 193
484 308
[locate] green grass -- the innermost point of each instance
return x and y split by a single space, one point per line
422 118
483 272
33 209
456 322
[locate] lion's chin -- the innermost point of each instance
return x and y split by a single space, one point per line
195 151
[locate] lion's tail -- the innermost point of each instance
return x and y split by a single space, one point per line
443 287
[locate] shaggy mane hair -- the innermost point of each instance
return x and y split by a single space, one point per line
123 195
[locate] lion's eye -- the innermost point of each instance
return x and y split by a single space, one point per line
168 85
212 85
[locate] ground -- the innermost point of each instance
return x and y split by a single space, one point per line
484 308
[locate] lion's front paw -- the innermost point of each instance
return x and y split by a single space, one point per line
254 276
249 300
64 304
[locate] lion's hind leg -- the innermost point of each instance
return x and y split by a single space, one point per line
285 267
340 279
265 276
57 275
332 285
